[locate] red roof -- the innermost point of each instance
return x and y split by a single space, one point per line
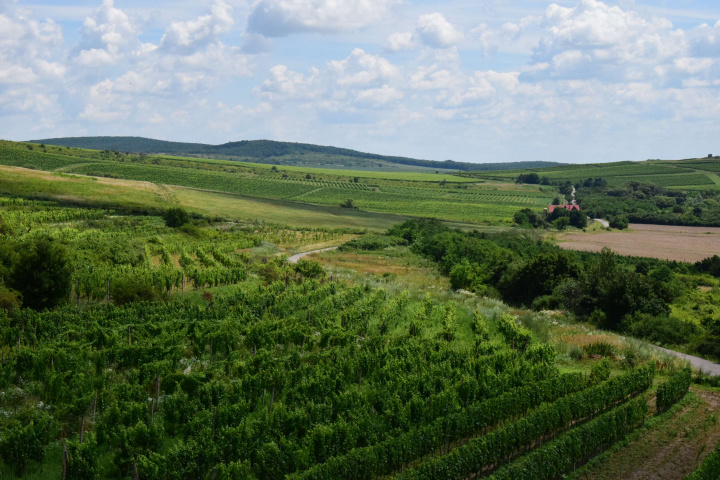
552 208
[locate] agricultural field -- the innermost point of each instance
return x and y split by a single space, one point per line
196 350
695 173
683 244
448 197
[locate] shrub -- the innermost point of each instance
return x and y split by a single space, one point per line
310 269
176 217
131 289
620 222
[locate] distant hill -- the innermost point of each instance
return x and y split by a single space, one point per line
281 153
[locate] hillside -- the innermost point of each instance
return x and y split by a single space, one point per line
693 173
280 153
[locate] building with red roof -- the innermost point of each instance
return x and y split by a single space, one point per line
551 208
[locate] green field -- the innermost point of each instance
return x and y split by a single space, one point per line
693 173
447 197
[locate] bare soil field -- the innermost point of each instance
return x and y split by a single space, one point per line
687 244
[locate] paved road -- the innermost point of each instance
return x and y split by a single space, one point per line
295 258
698 363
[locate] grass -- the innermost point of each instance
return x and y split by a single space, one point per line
692 173
244 190
670 445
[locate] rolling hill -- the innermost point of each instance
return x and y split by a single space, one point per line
281 153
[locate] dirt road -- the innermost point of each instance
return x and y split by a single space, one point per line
295 258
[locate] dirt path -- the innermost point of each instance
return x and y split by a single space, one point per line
295 258
698 363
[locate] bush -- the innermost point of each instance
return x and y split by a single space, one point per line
131 289
348 204
310 269
82 459
660 329
176 217
373 243
42 273
620 222
10 300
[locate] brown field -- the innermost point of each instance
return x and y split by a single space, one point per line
687 244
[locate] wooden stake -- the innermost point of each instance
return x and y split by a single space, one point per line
65 461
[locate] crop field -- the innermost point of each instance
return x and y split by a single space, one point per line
680 173
685 244
440 196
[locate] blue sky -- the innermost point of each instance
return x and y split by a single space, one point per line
469 80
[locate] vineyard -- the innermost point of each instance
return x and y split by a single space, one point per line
680 173
441 196
187 346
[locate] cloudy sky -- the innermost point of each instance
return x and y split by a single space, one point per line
470 80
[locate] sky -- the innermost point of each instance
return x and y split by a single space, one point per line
578 81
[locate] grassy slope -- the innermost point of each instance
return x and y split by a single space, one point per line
407 194
697 173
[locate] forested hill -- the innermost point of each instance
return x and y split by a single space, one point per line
281 153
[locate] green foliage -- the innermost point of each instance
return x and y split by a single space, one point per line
23 441
619 221
176 217
10 300
310 269
132 289
41 273
670 392
82 459
709 469
371 242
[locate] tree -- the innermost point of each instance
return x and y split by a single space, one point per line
348 204
620 222
176 217
42 273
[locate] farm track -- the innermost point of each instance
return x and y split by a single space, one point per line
296 258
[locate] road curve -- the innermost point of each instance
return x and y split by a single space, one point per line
698 363
295 258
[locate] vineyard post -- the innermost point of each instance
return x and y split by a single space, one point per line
108 289
82 428
64 461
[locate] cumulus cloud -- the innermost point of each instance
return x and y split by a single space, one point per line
435 31
279 18
597 40
108 35
363 69
189 36
432 30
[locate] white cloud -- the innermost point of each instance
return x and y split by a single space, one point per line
400 41
363 69
435 31
284 83
594 39
279 18
108 35
432 30
189 36
379 96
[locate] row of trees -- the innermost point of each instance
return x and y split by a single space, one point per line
530 272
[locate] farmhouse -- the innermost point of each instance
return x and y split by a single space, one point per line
551 208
